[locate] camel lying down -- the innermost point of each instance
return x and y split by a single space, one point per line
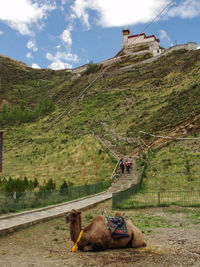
96 236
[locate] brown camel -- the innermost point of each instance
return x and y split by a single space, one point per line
96 236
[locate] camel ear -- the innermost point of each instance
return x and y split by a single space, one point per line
67 218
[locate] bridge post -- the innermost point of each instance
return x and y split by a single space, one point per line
1 149
158 199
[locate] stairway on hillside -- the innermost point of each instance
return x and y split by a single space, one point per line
124 181
121 181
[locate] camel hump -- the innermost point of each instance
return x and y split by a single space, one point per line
118 214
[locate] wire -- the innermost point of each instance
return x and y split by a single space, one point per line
169 137
69 108
148 25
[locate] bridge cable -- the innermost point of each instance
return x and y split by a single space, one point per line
170 137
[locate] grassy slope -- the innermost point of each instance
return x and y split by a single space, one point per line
175 167
155 98
30 152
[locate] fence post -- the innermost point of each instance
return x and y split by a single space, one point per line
158 199
1 149
87 189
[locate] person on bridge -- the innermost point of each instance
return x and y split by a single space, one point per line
130 162
127 166
121 165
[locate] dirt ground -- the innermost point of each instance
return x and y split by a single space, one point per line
172 236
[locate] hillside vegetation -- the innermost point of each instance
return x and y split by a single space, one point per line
162 97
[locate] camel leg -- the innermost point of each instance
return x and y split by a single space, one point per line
87 248
137 242
93 247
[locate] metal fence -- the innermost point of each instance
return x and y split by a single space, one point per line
15 201
160 199
132 198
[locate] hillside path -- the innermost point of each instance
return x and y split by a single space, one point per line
10 223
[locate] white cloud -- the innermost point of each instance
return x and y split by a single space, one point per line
35 66
66 36
186 9
28 55
58 64
165 36
1 32
32 46
21 15
198 47
63 2
114 13
59 60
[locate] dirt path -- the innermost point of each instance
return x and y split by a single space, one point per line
172 235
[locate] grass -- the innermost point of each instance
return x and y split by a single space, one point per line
174 168
147 221
156 98
192 215
79 161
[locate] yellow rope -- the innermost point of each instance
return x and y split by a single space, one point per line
75 247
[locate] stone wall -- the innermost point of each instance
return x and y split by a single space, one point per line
189 46
157 52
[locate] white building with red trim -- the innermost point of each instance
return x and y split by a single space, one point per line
131 41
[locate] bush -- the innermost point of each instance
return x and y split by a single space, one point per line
91 68
17 185
23 114
50 185
63 188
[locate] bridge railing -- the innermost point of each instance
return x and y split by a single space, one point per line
15 201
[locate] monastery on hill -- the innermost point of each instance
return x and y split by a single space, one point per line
150 42
139 44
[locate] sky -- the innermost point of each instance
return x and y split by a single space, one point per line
60 34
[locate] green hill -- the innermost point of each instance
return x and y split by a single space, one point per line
162 98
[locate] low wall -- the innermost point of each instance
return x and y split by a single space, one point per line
109 61
189 46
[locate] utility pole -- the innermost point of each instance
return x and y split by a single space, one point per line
1 149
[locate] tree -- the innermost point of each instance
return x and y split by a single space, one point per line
63 188
50 185
91 68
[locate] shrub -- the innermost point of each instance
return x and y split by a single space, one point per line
50 185
63 188
91 68
23 114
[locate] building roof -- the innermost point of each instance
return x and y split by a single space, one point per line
145 37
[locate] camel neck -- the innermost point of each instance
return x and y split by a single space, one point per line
75 228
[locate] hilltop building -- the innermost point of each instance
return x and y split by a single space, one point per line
139 41
139 44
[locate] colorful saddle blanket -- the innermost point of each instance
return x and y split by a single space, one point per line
117 227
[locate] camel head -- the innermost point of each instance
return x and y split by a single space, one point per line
72 215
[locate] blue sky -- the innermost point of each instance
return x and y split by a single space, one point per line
69 33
